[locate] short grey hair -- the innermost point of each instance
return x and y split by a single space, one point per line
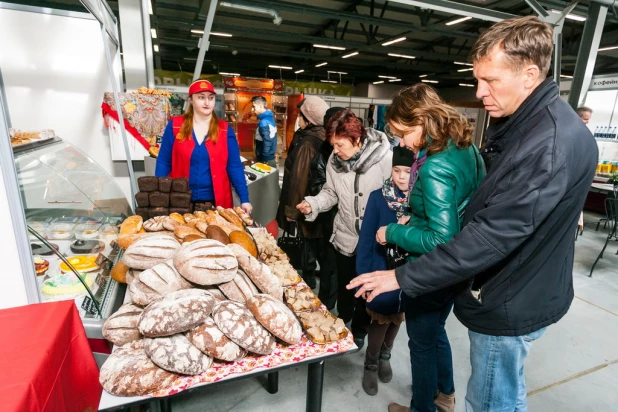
583 109
259 100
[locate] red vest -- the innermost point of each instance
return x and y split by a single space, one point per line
217 152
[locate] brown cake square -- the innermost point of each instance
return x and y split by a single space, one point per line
148 183
158 199
180 185
165 184
158 211
141 198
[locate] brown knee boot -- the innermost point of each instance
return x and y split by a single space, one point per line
385 372
370 375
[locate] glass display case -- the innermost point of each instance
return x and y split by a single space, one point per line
72 209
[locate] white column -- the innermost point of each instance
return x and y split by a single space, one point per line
135 37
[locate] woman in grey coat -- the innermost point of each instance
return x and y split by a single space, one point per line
360 163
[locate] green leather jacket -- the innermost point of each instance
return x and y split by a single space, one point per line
445 184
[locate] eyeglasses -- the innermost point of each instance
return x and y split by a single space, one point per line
390 134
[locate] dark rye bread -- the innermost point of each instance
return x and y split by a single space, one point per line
158 199
148 183
141 198
121 327
177 354
206 262
165 184
149 251
128 371
208 338
180 185
175 313
180 200
158 211
143 212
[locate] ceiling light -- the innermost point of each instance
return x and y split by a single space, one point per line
450 23
380 82
150 7
394 80
321 64
325 46
220 34
272 66
328 81
465 70
156 48
349 55
429 81
230 74
463 64
566 75
191 59
387 77
423 75
466 85
299 71
153 33
197 31
570 16
608 48
337 72
388 43
403 56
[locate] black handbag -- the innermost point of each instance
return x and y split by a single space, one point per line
294 246
396 256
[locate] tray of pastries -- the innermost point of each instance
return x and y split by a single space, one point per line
301 298
322 326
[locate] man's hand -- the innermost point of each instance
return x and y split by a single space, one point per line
247 208
381 235
374 284
304 207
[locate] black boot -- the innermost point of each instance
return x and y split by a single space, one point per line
370 375
385 372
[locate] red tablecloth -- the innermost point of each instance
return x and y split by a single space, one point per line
45 360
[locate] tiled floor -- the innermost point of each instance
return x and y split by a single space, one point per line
573 367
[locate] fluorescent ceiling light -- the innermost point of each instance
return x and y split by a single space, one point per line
566 75
450 23
465 70
272 66
466 85
150 7
403 56
337 72
570 16
212 33
349 55
380 82
608 48
423 75
299 71
230 74
387 77
394 80
153 33
328 81
429 81
325 46
388 43
156 48
463 64
321 64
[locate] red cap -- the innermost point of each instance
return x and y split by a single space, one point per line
201 86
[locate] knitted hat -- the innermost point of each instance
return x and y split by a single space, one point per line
403 157
314 108
330 112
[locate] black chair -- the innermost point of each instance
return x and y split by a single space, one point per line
611 208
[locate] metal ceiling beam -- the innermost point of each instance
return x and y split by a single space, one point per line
538 8
452 7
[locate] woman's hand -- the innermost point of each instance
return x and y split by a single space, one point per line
247 208
381 235
373 284
304 207
290 220
403 220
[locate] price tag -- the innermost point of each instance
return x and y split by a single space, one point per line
89 306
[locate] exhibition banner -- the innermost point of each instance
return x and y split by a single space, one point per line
295 87
171 78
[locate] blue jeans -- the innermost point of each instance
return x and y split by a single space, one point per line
497 382
430 355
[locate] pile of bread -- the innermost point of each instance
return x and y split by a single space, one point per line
19 137
275 258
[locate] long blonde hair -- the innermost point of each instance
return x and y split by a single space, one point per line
186 129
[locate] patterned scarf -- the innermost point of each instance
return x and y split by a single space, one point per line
395 198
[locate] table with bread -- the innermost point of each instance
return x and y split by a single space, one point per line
209 298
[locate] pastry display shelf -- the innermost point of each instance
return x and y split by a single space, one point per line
35 144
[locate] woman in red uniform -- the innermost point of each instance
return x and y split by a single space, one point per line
201 147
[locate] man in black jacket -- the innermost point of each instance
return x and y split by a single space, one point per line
514 258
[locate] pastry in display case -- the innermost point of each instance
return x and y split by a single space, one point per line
72 208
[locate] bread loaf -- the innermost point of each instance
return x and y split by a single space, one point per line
208 338
239 289
213 218
258 272
231 217
180 185
155 224
244 216
142 199
189 217
132 274
178 218
165 184
124 241
277 318
243 239
131 225
170 224
119 272
158 211
128 371
180 199
206 262
200 215
175 313
148 183
142 294
147 252
177 354
164 279
191 238
238 324
215 292
180 210
121 327
216 233
142 212
183 231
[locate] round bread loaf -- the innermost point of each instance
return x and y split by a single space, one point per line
238 324
121 327
175 313
147 252
155 224
206 262
177 354
128 371
119 272
240 288
245 240
141 294
258 272
216 233
276 317
183 231
208 338
163 279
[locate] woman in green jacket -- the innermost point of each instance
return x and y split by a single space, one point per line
447 171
